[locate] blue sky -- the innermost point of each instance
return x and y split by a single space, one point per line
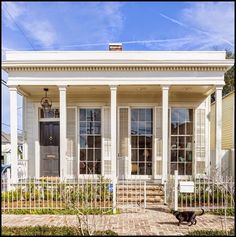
92 25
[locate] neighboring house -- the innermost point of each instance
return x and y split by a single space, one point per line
6 148
131 114
228 133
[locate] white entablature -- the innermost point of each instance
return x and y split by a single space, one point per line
120 68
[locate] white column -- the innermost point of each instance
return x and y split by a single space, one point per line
165 104
63 141
13 124
218 126
113 129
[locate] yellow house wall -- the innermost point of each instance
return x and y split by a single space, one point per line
227 122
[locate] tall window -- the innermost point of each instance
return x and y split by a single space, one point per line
141 141
90 141
181 141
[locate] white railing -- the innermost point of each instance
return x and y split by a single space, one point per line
210 193
88 192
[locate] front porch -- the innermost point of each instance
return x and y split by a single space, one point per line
116 114
129 120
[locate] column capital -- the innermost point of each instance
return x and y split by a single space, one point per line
62 87
113 87
12 88
165 87
219 87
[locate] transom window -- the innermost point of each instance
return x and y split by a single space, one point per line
181 141
90 141
141 141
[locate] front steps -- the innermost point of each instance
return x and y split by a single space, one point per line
134 193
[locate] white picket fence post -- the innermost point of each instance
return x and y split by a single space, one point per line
114 180
176 191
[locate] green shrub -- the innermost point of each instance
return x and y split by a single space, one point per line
48 231
91 211
211 233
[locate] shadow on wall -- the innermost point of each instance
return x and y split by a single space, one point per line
227 162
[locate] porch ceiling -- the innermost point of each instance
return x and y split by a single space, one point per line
104 91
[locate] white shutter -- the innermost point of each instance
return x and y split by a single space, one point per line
71 141
123 132
107 140
200 140
158 141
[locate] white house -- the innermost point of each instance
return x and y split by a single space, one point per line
116 113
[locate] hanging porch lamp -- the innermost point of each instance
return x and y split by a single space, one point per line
46 103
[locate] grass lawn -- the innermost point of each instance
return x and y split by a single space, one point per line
49 231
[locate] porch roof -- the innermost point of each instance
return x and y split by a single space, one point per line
116 67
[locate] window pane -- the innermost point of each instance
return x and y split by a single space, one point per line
181 170
134 141
174 115
89 114
142 128
141 142
182 128
188 155
134 128
182 115
148 142
189 142
149 115
148 153
82 127
134 115
189 115
98 168
83 141
189 128
174 142
149 169
97 154
97 115
188 168
148 127
141 114
181 155
141 155
173 155
141 168
174 128
134 156
82 114
134 168
90 154
97 141
181 142
90 128
82 167
82 154
173 167
97 126
90 168
90 141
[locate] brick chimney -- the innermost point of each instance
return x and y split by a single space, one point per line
115 47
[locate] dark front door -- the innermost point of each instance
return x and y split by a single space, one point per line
49 149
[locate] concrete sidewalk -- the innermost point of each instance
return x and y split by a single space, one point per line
146 222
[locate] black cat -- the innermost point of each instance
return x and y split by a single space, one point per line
188 216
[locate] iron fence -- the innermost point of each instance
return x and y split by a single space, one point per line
86 193
210 193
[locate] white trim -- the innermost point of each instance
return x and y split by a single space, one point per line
13 132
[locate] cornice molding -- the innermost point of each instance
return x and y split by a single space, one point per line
115 68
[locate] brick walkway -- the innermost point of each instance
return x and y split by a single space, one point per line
146 222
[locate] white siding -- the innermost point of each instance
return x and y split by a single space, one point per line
106 141
31 124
